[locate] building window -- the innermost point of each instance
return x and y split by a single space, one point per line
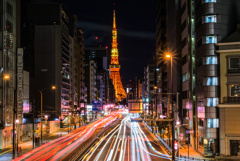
184 77
211 18
235 90
212 123
207 1
185 95
234 63
212 102
184 60
211 60
211 39
212 81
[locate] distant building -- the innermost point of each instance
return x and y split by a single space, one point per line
90 68
81 89
100 56
147 95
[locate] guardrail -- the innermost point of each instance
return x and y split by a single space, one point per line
164 144
160 140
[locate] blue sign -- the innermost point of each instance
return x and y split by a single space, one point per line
189 131
96 105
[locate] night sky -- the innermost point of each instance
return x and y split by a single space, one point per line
135 24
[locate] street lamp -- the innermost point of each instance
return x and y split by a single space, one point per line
68 122
41 92
6 77
17 122
168 55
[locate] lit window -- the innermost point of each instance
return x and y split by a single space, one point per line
211 18
184 77
207 1
212 123
235 90
211 39
211 60
212 102
212 81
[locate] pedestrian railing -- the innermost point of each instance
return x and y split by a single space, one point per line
163 143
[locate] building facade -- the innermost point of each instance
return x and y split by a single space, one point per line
100 56
229 103
90 68
188 67
8 51
214 21
81 89
52 37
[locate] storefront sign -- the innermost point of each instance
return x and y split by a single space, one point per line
20 84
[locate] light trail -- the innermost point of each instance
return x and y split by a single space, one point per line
62 147
99 143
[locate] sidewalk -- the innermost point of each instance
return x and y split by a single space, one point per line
192 153
6 154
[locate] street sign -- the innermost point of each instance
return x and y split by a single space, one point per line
189 131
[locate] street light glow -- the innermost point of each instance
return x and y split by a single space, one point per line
17 121
53 87
168 56
6 76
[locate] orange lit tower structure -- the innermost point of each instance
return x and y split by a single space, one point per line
115 67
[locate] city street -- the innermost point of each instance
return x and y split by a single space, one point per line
65 148
127 141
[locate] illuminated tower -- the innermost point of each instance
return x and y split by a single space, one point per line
115 67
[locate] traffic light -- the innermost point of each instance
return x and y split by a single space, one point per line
176 145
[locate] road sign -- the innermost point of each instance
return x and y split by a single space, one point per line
189 131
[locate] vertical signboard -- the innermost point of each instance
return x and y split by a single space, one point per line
19 84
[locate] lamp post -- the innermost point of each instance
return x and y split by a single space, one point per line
41 92
17 122
69 127
173 111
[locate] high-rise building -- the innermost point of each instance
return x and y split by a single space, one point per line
81 91
8 51
49 38
73 62
100 56
188 66
168 40
214 21
90 68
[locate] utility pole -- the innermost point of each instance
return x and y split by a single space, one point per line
14 115
33 130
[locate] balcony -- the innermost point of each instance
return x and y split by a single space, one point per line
231 99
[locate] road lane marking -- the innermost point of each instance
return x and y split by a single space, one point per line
6 152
